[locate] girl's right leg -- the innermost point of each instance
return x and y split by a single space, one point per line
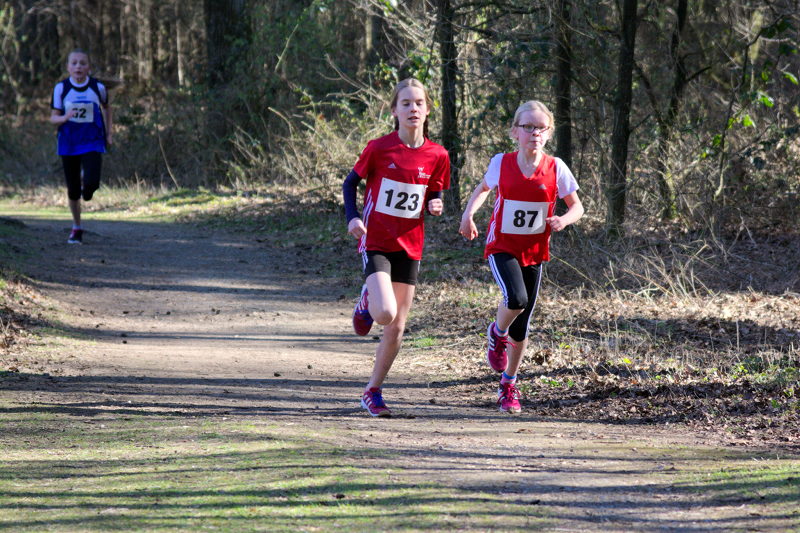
392 337
72 175
508 275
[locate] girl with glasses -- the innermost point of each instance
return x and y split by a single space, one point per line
527 183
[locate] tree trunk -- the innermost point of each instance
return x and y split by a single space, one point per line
451 139
616 177
563 90
666 185
225 27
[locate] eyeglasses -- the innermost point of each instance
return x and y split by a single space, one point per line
530 128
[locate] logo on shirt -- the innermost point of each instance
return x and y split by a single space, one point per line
392 165
422 174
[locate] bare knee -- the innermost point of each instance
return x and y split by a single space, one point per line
383 316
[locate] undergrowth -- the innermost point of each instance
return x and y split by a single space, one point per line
659 328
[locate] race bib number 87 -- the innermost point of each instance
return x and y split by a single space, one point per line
524 218
398 199
84 112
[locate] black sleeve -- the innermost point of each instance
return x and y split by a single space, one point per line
349 193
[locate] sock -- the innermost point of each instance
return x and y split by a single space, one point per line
500 332
75 226
508 379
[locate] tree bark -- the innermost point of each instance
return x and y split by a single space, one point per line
616 177
226 29
451 139
563 89
666 185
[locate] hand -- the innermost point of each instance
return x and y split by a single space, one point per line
435 207
356 228
556 224
109 141
468 229
69 114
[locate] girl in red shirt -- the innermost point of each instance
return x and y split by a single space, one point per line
527 183
405 175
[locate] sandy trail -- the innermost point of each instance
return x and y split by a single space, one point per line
183 320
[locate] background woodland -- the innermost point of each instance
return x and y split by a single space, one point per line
680 112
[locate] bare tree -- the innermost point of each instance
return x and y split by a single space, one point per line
451 138
616 178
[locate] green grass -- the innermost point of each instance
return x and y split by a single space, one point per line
62 472
772 482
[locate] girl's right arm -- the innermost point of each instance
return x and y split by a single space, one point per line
355 226
58 117
468 228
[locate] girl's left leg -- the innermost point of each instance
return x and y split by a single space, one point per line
508 395
392 336
92 163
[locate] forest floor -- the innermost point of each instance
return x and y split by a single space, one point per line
184 376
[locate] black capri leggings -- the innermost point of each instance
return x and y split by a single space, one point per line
92 163
520 287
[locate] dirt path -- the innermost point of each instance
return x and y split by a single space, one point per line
183 320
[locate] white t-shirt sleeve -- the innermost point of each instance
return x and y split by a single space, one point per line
103 94
58 103
565 181
492 176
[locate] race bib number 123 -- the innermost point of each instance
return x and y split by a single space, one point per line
398 199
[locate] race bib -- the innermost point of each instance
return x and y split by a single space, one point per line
524 218
398 199
84 112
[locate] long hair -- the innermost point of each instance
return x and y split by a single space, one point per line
412 82
531 105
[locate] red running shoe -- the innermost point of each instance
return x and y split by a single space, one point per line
508 397
362 320
496 351
372 401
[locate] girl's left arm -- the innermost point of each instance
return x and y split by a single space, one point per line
467 228
106 110
573 214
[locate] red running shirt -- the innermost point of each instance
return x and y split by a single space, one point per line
522 204
397 179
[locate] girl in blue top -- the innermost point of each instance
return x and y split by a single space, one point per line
81 110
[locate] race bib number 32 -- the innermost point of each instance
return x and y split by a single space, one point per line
84 112
403 200
524 218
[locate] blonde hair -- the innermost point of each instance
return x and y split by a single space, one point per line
531 106
411 82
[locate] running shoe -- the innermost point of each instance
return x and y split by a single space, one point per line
362 320
508 397
496 351
75 237
372 401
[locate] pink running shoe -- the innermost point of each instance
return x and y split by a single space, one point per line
75 237
362 320
496 352
372 401
508 397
